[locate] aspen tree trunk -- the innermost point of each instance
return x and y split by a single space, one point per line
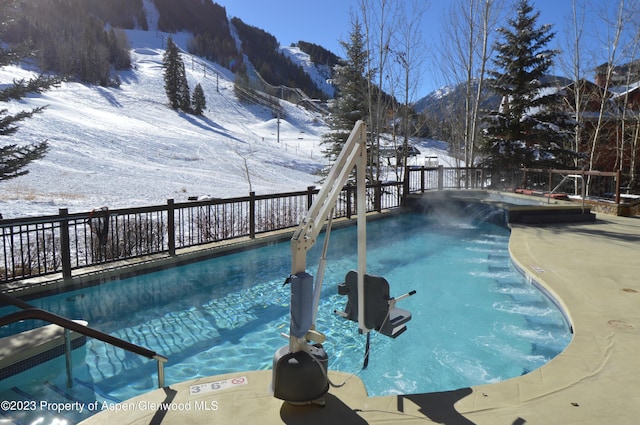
380 21
410 55
613 45
466 51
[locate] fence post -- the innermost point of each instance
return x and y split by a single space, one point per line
171 226
252 215
310 190
349 207
67 357
378 196
618 175
406 189
422 179
65 249
440 177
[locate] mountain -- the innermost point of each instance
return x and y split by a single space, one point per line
82 39
446 100
122 146
441 106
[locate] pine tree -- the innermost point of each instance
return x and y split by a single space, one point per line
351 100
170 64
184 94
199 102
14 158
175 80
529 127
119 54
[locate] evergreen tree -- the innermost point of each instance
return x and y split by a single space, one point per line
175 78
529 127
14 158
350 104
22 87
184 94
199 102
119 54
69 37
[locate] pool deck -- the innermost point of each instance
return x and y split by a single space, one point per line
594 271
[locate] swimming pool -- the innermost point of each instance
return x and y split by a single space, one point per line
475 318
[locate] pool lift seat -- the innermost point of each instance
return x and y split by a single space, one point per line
380 311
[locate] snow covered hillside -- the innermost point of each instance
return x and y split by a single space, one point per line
320 74
123 147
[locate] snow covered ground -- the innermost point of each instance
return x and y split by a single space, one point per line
124 147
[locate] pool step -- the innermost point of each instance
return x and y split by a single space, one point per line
500 269
97 391
169 335
177 335
43 401
545 322
548 351
532 300
31 348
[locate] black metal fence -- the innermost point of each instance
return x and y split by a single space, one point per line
38 246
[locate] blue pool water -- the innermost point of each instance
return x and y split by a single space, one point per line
475 318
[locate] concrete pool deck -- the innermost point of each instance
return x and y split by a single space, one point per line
593 269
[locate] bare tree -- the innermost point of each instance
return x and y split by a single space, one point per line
572 63
634 132
409 53
623 104
635 151
245 155
578 14
379 19
615 24
466 49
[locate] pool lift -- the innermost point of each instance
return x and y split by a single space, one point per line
300 368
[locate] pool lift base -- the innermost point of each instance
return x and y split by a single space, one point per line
300 378
300 369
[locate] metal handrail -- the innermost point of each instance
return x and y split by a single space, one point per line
30 312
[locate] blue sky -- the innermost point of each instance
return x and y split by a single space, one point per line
328 21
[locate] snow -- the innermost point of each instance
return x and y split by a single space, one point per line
320 74
124 147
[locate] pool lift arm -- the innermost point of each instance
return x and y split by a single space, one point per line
300 368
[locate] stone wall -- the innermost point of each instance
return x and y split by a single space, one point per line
624 209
